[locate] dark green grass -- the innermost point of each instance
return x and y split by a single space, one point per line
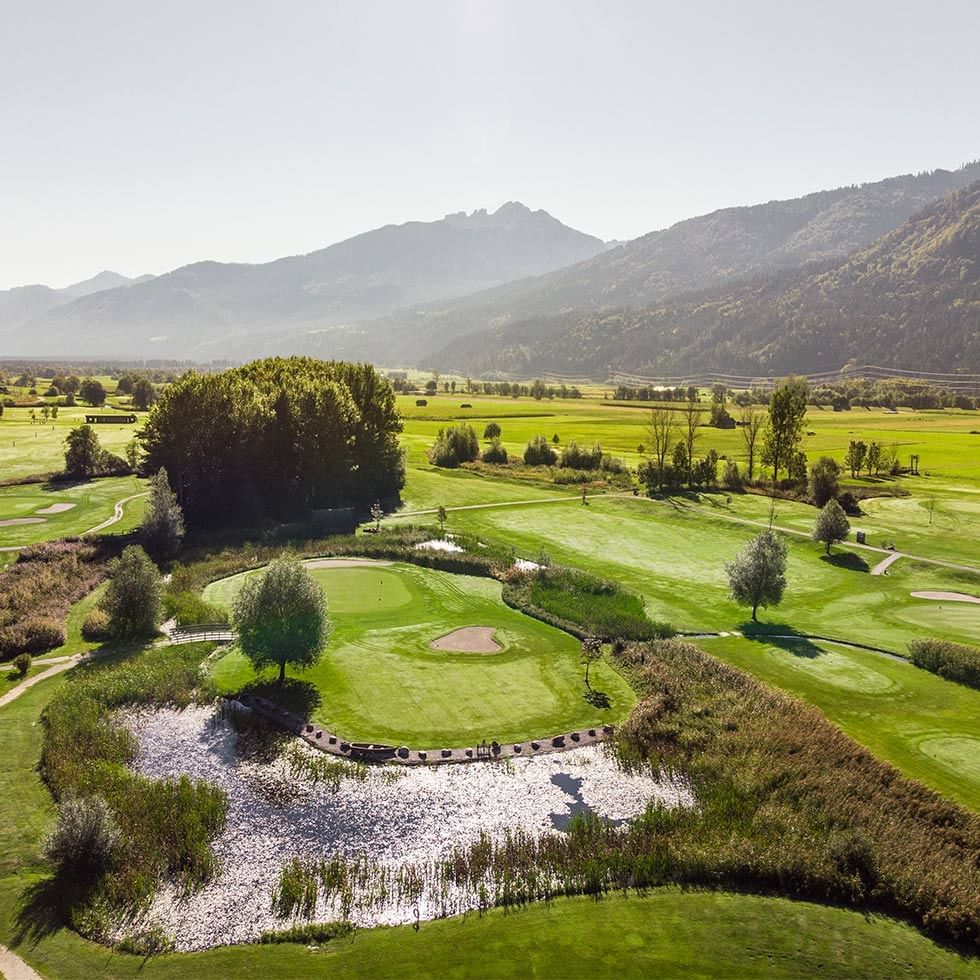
379 680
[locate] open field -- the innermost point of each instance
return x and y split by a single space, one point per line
380 680
29 449
926 726
72 508
675 557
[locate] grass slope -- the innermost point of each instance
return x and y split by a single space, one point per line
93 502
379 680
926 726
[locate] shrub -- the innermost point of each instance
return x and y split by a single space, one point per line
85 840
34 635
96 625
492 431
21 664
583 605
539 453
132 600
190 609
455 445
954 661
578 457
495 453
732 479
612 464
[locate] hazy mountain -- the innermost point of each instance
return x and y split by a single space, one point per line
702 252
239 309
910 300
23 303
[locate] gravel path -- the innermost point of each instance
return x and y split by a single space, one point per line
412 817
14 968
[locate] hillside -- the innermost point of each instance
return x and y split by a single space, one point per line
699 253
911 299
217 308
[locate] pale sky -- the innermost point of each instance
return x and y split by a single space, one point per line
140 136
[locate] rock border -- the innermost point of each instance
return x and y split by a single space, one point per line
333 744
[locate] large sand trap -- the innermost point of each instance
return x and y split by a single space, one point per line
946 597
54 509
469 639
11 521
345 563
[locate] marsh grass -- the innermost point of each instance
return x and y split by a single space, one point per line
165 826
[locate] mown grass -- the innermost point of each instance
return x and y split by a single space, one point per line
379 680
93 502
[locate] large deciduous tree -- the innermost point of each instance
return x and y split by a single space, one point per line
757 574
276 438
823 482
281 617
83 453
784 428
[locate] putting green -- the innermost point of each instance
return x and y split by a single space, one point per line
379 680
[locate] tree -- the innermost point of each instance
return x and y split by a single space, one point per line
281 617
538 452
752 419
133 454
873 460
854 458
132 599
784 430
441 518
692 419
732 478
492 431
757 575
590 652
823 483
431 386
83 452
831 524
144 394
662 432
92 392
163 523
376 514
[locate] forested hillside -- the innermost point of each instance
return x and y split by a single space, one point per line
703 252
911 299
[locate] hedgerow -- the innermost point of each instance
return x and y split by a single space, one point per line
954 661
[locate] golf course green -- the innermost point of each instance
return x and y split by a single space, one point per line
380 680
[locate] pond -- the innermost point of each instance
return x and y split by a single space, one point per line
393 816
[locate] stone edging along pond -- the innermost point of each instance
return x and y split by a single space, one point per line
402 755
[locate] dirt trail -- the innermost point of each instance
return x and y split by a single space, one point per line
14 968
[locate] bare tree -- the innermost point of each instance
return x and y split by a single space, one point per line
692 419
753 419
662 430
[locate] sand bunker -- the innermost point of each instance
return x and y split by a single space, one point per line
345 563
11 521
54 509
438 544
946 597
469 639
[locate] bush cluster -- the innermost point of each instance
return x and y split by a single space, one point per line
539 452
95 626
954 661
495 453
455 445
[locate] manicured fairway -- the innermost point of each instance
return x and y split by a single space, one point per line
77 508
379 679
674 555
926 726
